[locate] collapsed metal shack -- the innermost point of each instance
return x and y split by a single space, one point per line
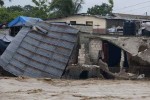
136 48
41 50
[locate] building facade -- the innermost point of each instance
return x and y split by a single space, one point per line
93 24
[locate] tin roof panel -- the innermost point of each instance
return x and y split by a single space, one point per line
40 53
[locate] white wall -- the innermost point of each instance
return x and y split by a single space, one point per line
80 19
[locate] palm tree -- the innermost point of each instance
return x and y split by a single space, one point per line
65 7
62 7
77 5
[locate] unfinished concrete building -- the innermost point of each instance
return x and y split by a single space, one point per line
132 50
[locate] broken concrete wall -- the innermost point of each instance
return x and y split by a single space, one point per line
82 72
84 40
81 57
95 45
137 48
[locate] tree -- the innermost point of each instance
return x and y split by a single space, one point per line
42 5
15 8
56 8
9 13
77 5
103 9
1 2
62 8
111 4
28 8
42 9
6 16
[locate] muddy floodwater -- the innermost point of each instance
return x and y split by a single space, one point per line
92 89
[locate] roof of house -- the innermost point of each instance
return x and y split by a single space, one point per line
43 51
131 17
22 20
114 16
79 15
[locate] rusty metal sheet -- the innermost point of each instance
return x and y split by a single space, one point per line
40 55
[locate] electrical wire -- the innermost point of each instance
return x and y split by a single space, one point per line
136 9
132 5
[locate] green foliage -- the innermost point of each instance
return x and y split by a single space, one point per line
1 2
43 9
7 16
111 3
62 8
15 8
103 9
42 5
4 16
39 13
9 13
77 5
28 8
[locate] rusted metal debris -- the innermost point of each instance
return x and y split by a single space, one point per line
41 51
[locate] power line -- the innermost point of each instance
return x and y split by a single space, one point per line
132 5
137 9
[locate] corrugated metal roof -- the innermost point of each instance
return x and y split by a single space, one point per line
34 54
131 17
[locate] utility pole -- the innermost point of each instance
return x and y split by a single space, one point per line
146 14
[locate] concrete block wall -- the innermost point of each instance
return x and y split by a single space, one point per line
95 45
82 55
75 72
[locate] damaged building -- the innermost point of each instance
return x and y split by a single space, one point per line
41 50
133 51
57 50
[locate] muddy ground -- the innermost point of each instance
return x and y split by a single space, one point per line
91 89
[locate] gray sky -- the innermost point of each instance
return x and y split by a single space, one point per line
120 6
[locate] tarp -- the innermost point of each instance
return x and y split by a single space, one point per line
22 20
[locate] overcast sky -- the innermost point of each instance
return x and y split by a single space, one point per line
120 6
